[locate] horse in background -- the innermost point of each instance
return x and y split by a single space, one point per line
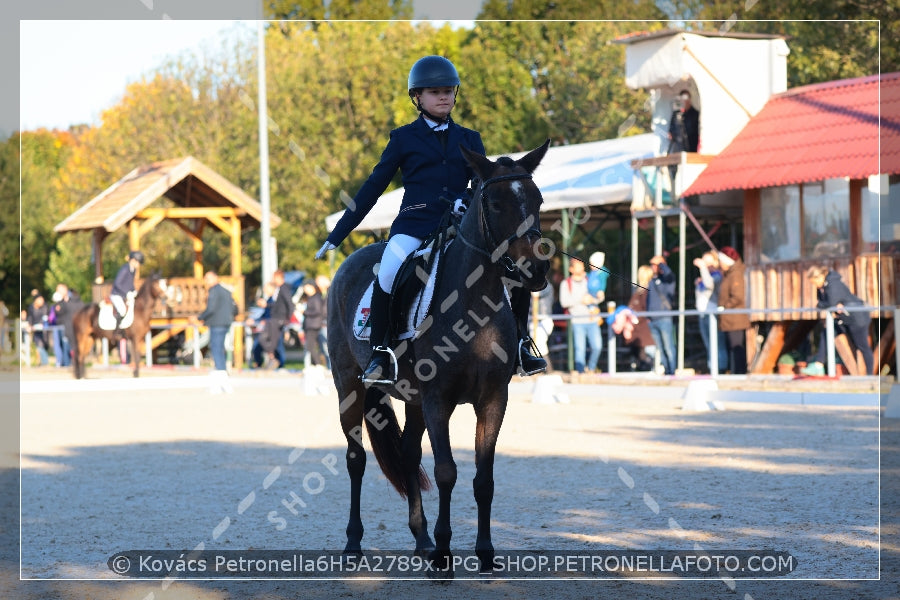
87 330
464 353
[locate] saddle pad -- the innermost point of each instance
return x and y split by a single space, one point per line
416 314
106 318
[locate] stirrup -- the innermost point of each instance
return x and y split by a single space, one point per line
536 365
369 376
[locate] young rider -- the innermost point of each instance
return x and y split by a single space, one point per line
123 284
427 154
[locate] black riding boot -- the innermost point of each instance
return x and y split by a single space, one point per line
380 369
528 362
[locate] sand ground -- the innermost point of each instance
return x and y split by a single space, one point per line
139 467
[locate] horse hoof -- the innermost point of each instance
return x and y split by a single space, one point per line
440 565
353 549
486 559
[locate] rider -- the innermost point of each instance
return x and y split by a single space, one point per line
124 284
432 166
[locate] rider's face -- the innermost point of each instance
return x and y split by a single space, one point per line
438 101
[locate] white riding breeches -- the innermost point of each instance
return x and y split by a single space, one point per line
119 303
398 248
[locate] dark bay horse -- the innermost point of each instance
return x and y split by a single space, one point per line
87 328
464 352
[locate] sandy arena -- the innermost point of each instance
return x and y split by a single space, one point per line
161 464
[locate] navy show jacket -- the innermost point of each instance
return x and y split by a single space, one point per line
430 170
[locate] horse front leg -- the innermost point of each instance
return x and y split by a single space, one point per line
416 480
489 417
437 419
352 408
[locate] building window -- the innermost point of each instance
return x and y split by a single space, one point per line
881 217
780 223
826 218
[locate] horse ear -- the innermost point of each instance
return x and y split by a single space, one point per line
531 160
482 165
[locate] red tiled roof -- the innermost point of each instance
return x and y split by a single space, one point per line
812 133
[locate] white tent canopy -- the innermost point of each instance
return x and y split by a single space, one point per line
578 175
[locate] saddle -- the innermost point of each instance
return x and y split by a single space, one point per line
411 294
106 318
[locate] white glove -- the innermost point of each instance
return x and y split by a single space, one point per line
325 248
459 207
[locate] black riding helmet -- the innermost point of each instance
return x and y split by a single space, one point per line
431 72
136 255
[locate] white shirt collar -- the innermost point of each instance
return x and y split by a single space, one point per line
434 126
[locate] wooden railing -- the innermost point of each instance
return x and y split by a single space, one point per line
784 284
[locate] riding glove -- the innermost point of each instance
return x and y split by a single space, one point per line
460 206
325 248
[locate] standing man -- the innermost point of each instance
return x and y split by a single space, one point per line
66 303
221 310
281 307
684 129
124 283
662 297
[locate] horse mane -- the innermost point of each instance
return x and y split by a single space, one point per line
506 161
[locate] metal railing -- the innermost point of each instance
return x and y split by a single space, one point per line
23 346
826 314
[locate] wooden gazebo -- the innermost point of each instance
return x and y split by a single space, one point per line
201 197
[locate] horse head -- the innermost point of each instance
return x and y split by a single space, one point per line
507 203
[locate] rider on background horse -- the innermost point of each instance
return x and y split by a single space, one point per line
123 285
427 152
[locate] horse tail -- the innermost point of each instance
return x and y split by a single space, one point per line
384 433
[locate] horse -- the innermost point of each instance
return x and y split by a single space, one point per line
86 327
464 352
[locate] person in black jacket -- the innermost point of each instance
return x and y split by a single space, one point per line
280 307
313 322
832 292
427 154
220 312
684 129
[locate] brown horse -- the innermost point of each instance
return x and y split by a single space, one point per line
87 328
466 355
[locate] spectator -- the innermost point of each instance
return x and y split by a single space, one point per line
661 297
706 299
259 326
280 307
831 291
313 322
221 309
544 326
684 129
37 319
734 295
66 303
582 307
598 276
641 342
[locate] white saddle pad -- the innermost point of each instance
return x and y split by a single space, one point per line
107 317
416 314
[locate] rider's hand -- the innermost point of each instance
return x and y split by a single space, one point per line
459 207
325 248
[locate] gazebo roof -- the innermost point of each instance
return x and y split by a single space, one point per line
186 181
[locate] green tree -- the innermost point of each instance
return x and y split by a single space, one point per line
9 223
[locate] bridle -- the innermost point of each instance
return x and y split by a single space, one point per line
500 252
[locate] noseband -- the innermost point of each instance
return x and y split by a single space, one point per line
503 245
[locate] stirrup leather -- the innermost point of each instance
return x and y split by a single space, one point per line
382 379
526 344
